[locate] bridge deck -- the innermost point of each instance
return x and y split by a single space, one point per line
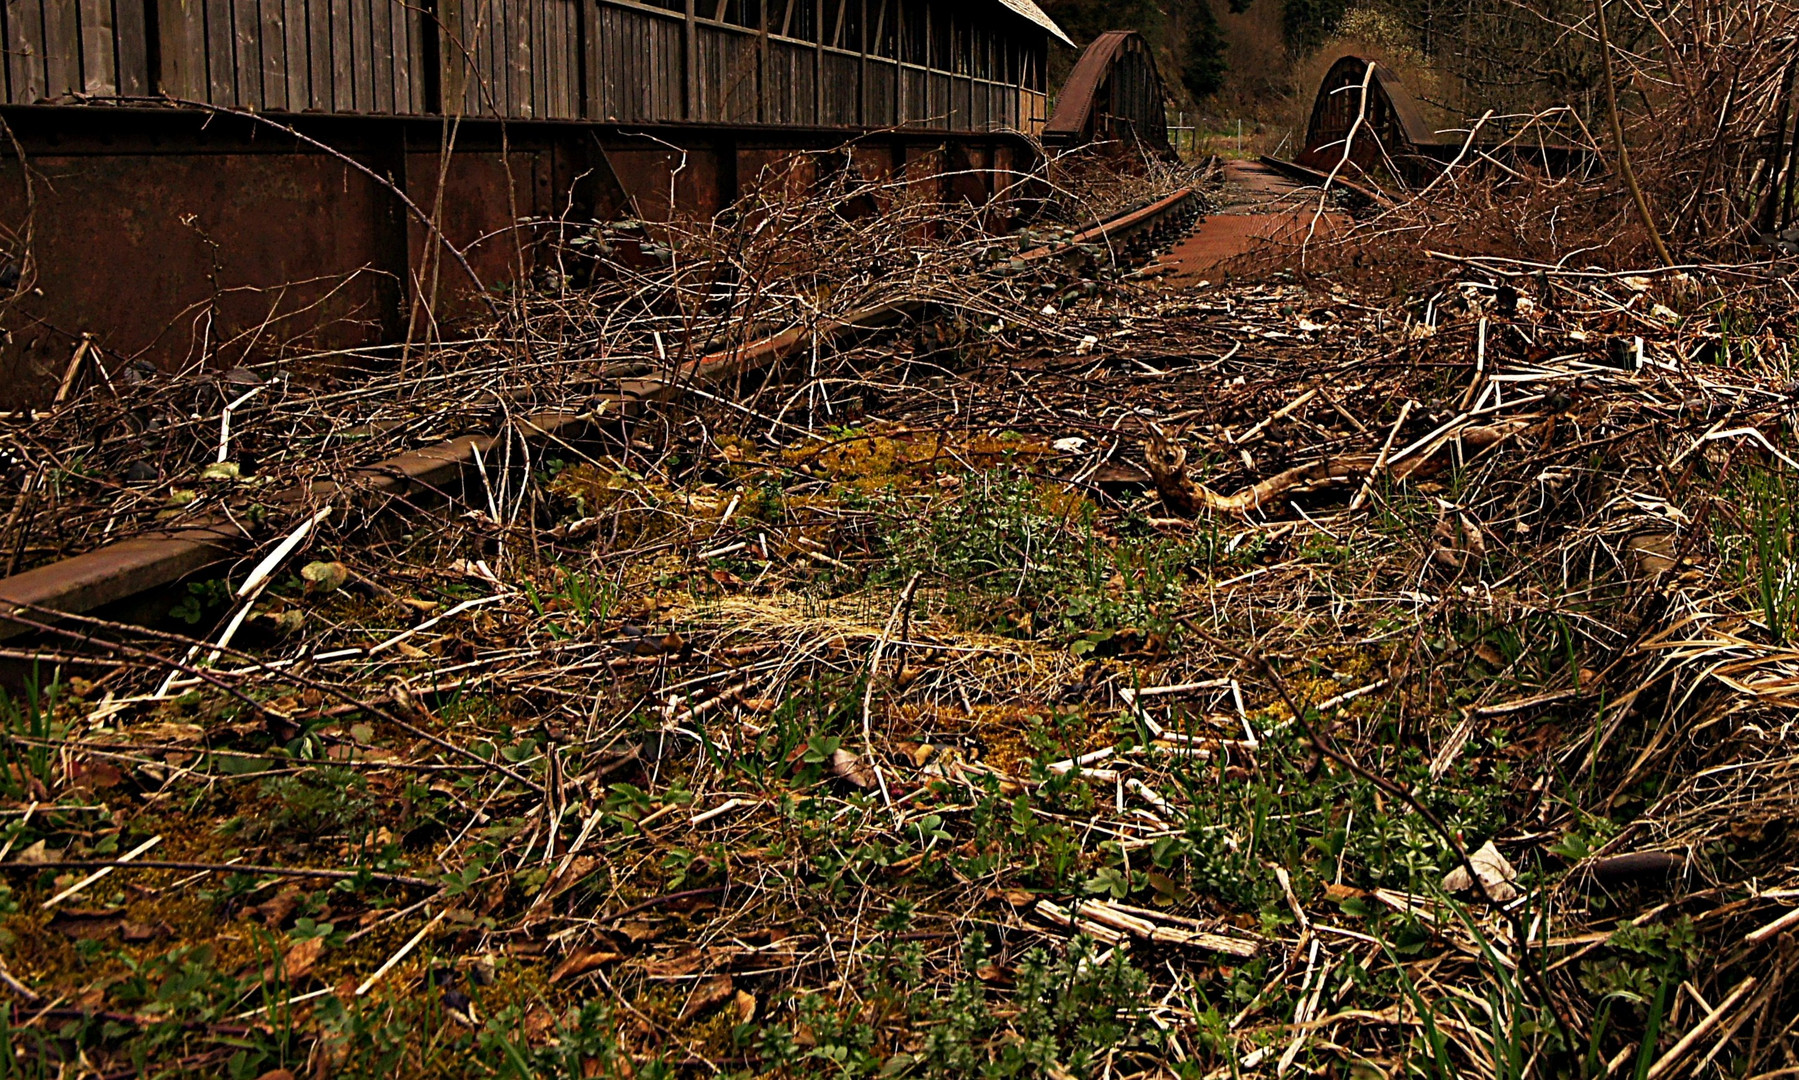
1260 208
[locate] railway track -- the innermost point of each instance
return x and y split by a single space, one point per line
118 575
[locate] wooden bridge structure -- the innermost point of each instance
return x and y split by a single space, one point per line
1114 96
1365 117
185 171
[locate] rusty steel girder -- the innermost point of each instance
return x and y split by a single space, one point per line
1114 95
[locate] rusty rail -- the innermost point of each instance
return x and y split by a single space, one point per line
1123 227
1312 176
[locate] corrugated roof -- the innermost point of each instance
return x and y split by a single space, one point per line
1035 14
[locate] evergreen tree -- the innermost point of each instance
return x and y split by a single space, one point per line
1306 23
1203 66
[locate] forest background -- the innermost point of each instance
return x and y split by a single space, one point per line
1259 61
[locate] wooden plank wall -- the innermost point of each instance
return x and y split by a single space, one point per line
274 55
729 80
843 79
56 49
609 60
881 96
915 104
634 67
520 59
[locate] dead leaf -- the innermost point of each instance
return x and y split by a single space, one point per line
1460 539
137 931
324 576
1496 875
745 1004
97 775
847 766
36 853
297 960
707 994
1654 553
640 932
539 1022
88 923
580 962
673 967
578 868
277 909
1167 886
1474 538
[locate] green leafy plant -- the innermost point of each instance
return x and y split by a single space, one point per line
1761 548
321 802
202 598
25 728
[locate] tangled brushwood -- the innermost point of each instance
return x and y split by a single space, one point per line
1086 678
128 449
1625 132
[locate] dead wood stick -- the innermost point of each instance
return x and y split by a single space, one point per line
259 665
1322 741
392 961
666 898
1449 169
868 688
1380 460
103 871
12 983
132 650
1761 934
245 868
1705 1026
1167 467
1279 414
1625 171
74 369
1348 148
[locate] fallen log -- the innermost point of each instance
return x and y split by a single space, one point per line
1166 460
